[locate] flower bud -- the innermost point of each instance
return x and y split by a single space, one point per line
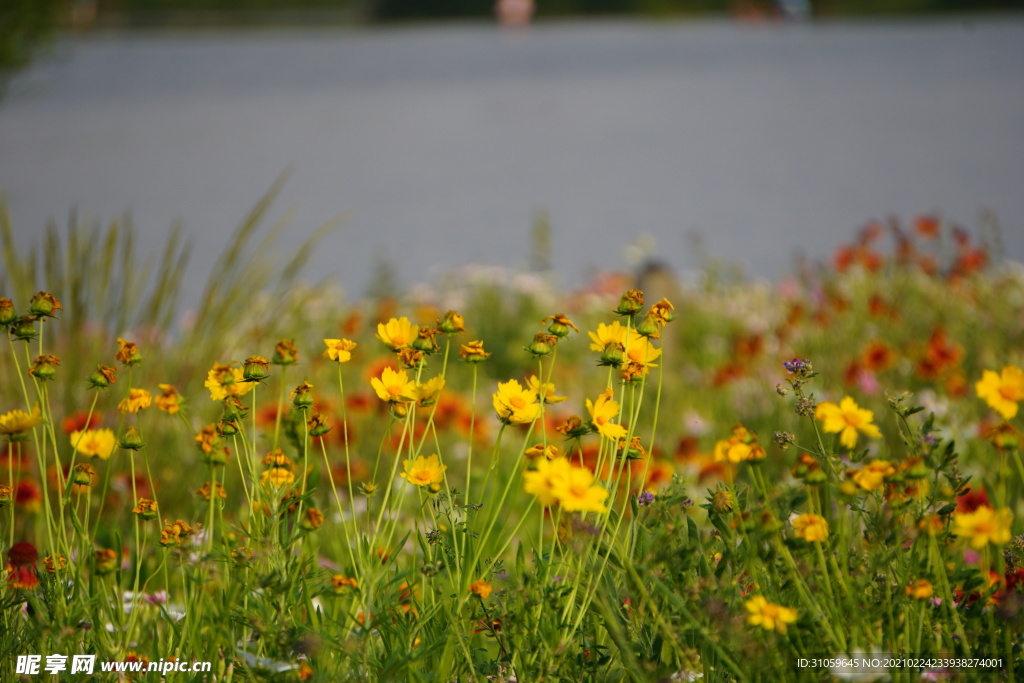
103 377
312 519
723 501
234 409
218 455
473 352
302 396
452 323
107 561
24 329
131 440
7 313
410 357
560 325
285 353
44 367
146 509
816 476
227 428
634 450
631 303
425 340
82 475
574 427
317 424
542 343
917 468
44 304
255 369
649 327
6 496
613 354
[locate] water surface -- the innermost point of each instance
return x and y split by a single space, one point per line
441 142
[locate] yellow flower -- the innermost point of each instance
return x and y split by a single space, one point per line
481 588
769 616
169 399
339 350
18 421
873 474
541 481
984 526
811 528
394 386
424 471
397 333
224 380
740 446
278 477
920 589
136 401
548 392
1002 392
95 443
576 492
515 405
636 348
427 393
601 413
640 350
846 419
606 334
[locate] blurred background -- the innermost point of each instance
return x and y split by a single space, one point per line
566 135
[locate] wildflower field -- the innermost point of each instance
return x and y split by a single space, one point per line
495 479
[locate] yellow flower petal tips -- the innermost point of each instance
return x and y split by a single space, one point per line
846 419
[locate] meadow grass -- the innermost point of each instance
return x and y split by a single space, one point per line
504 481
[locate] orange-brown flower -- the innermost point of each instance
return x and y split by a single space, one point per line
206 492
473 352
169 399
145 509
128 352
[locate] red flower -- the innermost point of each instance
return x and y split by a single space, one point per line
21 566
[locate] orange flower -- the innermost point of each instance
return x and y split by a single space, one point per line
128 352
169 399
481 588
